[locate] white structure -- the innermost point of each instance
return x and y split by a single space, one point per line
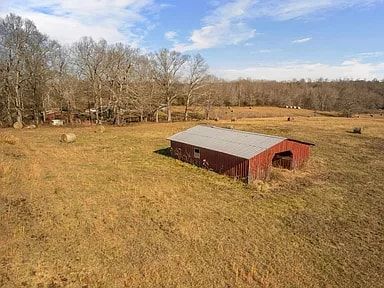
57 122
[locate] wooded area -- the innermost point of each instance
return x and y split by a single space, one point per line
101 82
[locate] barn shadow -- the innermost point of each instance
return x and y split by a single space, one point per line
164 152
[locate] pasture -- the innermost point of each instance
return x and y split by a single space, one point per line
108 211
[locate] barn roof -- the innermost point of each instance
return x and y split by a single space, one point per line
233 142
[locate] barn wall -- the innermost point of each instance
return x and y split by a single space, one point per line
216 161
260 165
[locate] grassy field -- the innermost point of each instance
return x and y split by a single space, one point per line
107 211
227 113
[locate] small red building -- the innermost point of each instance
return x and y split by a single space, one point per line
243 155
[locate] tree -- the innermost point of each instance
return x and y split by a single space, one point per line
22 49
197 76
119 63
89 59
210 96
166 66
145 98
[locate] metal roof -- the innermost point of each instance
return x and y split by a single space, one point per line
233 142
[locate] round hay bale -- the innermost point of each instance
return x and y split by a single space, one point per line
68 137
18 125
100 129
31 127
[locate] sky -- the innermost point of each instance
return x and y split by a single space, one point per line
258 39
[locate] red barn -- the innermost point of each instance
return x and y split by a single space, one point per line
243 155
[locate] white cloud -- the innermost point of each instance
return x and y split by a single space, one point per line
224 26
374 54
351 69
302 40
68 20
265 51
291 9
228 24
171 36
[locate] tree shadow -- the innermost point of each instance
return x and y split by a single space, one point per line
164 152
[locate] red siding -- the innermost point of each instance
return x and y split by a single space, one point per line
216 161
260 165
257 167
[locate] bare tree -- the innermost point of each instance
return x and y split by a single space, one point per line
210 95
196 79
15 34
119 62
25 61
166 66
145 99
89 59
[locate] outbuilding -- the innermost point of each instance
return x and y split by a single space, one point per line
243 155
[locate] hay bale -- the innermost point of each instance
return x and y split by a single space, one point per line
234 119
31 127
356 130
100 129
68 137
18 125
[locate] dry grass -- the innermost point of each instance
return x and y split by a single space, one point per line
8 139
107 211
227 113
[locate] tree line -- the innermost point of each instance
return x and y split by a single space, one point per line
110 81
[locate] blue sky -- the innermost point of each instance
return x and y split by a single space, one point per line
260 39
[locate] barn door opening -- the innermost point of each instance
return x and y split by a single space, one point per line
283 160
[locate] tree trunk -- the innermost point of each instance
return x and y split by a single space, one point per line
97 111
36 116
169 109
117 104
186 108
206 114
100 103
207 111
157 116
69 113
9 115
90 113
118 118
18 103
